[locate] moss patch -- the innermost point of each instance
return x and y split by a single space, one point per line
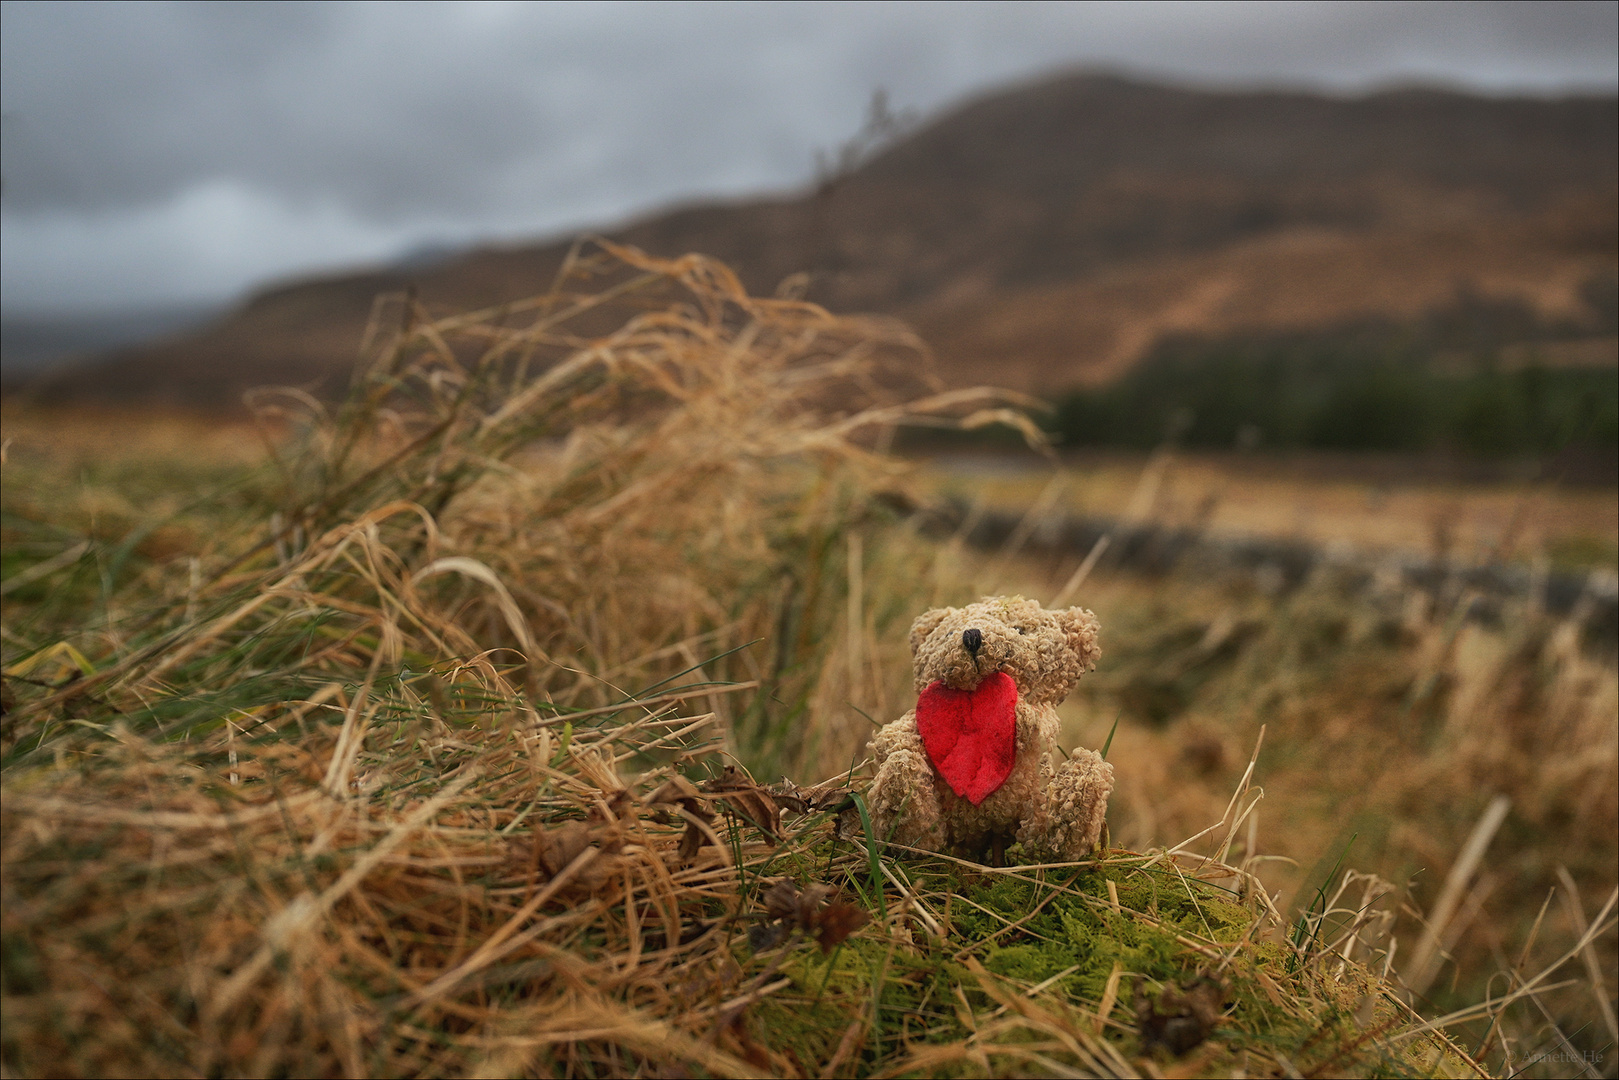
1016 983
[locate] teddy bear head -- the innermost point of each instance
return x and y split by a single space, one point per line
1044 652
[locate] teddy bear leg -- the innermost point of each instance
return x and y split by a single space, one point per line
904 806
1076 807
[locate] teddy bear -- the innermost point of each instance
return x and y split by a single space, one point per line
970 769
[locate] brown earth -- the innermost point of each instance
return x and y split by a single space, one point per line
1049 235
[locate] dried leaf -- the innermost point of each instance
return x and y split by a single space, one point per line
835 922
549 851
810 902
800 800
762 936
732 777
752 803
758 809
678 791
781 900
811 911
1182 1017
556 848
789 796
692 841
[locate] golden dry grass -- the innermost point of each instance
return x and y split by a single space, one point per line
1231 496
390 758
1395 727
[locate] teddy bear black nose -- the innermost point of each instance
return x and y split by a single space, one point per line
973 639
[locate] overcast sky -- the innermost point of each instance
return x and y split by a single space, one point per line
157 153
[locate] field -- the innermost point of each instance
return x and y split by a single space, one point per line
509 719
1381 504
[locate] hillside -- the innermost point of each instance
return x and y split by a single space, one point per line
1048 236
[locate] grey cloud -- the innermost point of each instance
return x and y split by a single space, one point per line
463 120
400 109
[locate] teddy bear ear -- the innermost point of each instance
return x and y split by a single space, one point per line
1082 631
925 624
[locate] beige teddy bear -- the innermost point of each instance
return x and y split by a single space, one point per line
970 769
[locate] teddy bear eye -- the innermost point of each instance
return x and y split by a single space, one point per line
1021 630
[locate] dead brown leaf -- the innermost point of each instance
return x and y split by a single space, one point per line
781 900
1182 1017
549 851
678 791
813 911
836 922
801 800
747 800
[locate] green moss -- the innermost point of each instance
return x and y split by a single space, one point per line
898 996
1061 933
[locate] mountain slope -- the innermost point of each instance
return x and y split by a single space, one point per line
1050 234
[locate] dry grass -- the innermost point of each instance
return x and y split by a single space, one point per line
1395 728
390 759
1232 495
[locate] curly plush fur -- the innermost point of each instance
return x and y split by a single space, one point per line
1055 812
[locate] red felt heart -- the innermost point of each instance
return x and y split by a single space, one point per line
971 735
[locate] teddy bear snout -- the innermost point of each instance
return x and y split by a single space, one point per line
972 639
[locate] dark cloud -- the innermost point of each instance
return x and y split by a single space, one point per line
343 130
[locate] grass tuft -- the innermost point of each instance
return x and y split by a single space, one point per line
428 746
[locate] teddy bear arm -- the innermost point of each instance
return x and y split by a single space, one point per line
892 738
1077 805
904 802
